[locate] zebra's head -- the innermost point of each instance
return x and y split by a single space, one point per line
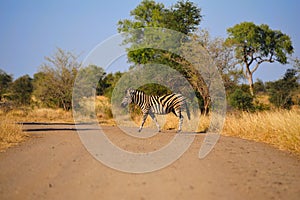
128 97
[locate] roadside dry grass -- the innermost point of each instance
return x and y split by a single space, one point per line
103 111
11 123
40 115
10 133
279 128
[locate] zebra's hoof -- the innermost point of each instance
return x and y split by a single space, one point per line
178 131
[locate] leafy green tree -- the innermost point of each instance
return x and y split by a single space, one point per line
296 66
53 85
281 91
241 100
21 90
87 81
259 86
106 85
5 82
183 17
40 90
257 44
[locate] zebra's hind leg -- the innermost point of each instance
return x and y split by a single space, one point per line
180 123
155 120
145 115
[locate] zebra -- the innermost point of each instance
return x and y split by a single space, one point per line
151 105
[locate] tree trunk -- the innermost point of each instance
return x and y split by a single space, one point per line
251 88
249 76
206 105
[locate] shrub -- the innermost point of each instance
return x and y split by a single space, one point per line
241 100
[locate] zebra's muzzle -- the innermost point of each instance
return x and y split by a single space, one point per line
124 104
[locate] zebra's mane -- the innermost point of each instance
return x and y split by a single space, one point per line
147 95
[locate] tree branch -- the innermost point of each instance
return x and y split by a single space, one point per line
260 60
256 67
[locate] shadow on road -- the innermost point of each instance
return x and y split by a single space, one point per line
55 126
69 126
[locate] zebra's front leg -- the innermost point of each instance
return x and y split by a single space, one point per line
145 115
155 120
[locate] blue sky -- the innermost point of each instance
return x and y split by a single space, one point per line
33 29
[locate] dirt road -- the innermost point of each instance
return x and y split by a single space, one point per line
53 164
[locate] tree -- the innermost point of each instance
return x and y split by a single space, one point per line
223 57
87 81
296 66
107 83
257 44
259 86
281 91
53 85
21 90
183 17
5 82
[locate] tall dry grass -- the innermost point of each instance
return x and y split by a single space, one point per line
40 115
11 123
278 128
10 132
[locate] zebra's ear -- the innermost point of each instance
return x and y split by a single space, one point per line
130 90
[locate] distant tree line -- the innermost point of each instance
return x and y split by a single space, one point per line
53 85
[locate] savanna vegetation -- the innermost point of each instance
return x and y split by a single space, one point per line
261 111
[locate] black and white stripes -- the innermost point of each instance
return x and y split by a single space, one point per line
162 105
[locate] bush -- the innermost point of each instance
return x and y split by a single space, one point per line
21 90
281 91
241 100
